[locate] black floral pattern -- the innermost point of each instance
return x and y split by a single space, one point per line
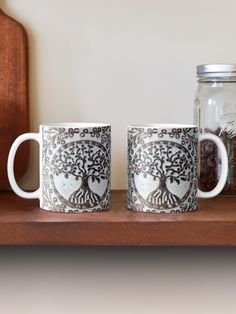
81 155
169 157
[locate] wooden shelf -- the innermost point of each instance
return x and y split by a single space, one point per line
23 222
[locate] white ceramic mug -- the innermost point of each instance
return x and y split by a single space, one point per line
74 167
163 166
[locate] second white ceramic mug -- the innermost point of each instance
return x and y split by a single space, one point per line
163 166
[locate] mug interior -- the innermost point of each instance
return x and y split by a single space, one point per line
163 126
75 125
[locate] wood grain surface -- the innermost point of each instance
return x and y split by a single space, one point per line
23 222
14 94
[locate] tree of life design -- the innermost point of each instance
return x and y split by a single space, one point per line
86 161
167 162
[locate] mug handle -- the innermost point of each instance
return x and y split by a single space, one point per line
224 169
10 165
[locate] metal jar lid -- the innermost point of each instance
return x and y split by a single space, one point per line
216 70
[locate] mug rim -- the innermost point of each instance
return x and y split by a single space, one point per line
161 126
75 125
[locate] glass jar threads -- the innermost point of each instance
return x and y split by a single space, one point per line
215 112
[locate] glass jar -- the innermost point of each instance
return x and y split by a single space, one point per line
215 112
